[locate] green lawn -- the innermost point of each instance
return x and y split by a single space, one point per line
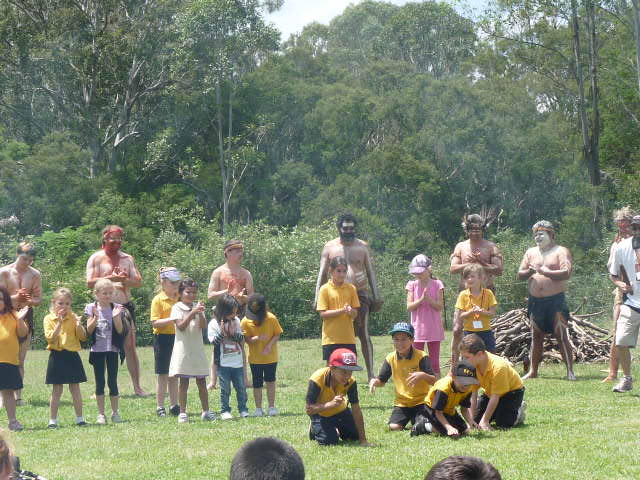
577 430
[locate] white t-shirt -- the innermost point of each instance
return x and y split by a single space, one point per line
626 256
230 350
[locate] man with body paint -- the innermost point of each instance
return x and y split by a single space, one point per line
547 267
359 273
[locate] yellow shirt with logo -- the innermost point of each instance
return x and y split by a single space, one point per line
270 328
321 378
466 301
399 368
9 339
160 309
499 377
68 338
444 396
338 329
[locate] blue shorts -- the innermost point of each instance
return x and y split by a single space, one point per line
487 337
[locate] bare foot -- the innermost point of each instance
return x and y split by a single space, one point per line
210 386
609 378
530 375
571 376
141 393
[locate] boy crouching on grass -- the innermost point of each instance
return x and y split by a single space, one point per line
412 377
503 397
442 400
330 388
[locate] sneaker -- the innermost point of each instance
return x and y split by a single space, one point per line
174 410
81 423
208 416
311 435
244 414
15 426
272 412
624 385
257 412
19 402
226 416
522 414
115 418
161 412
101 419
183 418
52 424
421 427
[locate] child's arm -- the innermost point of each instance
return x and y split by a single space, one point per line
359 421
451 430
81 333
457 337
466 413
424 375
488 413
267 348
414 304
183 321
22 329
383 377
117 321
92 321
437 304
334 313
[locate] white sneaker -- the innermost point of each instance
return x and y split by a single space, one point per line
115 418
257 412
183 418
522 414
101 419
208 416
244 414
226 416
624 385
272 412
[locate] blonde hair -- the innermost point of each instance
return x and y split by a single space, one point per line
474 268
102 283
60 292
625 213
5 456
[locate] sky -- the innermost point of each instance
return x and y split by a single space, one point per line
295 14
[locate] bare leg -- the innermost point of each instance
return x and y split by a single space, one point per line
212 374
172 384
203 393
361 325
22 354
133 362
182 394
76 397
257 397
114 403
624 355
100 402
537 339
613 353
271 394
161 389
54 403
394 427
8 396
560 332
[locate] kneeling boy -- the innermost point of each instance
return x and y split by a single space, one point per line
503 395
329 389
412 377
443 398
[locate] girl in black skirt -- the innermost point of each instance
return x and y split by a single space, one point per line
64 331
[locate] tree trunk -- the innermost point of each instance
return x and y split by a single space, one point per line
221 160
636 31
594 143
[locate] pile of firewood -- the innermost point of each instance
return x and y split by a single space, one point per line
512 329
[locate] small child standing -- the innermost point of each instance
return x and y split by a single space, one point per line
228 361
64 331
107 329
262 331
188 359
425 301
164 334
338 305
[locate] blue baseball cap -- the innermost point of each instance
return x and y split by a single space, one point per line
403 327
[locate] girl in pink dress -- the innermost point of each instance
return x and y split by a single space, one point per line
425 301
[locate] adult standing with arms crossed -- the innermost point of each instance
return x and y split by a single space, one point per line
113 264
360 273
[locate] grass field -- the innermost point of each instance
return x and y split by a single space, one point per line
574 430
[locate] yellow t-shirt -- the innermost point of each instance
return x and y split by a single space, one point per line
444 388
499 377
9 339
466 301
399 368
270 327
338 329
321 378
161 308
67 338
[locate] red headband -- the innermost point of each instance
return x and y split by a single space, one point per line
116 230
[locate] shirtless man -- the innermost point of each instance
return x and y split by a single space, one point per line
476 250
24 284
231 277
547 266
112 263
360 273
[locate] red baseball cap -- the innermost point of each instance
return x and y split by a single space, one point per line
344 358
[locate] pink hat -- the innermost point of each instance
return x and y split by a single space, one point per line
419 264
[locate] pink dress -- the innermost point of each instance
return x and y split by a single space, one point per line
426 321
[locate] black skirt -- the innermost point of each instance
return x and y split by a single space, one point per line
10 378
65 367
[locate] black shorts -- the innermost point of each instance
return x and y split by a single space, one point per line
455 420
10 378
263 372
506 412
327 350
487 337
28 319
328 430
162 350
64 367
403 415
130 306
542 311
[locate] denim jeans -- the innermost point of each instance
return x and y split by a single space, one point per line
227 376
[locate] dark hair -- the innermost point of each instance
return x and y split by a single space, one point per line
26 248
266 458
346 217
187 283
335 261
225 306
6 298
463 468
257 307
472 343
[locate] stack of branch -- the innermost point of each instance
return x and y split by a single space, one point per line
589 342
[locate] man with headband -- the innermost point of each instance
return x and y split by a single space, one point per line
476 249
359 273
112 263
24 284
547 267
231 277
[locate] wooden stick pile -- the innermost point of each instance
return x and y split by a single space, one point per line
589 342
